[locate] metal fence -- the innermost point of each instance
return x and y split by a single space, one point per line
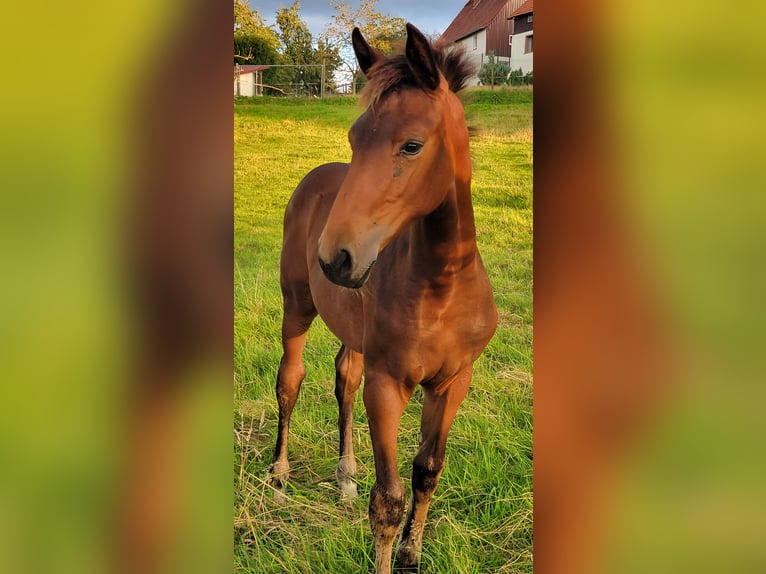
304 89
274 84
316 84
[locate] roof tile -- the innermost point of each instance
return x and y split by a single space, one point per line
526 8
475 15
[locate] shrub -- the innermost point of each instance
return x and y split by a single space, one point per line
503 74
516 77
501 71
519 78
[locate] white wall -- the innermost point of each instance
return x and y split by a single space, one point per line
518 58
246 84
475 54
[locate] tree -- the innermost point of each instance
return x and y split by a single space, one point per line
253 39
380 30
294 35
253 49
330 56
290 45
296 49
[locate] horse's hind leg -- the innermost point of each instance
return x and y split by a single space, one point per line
439 408
348 376
295 324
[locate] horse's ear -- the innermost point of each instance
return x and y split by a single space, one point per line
421 58
366 55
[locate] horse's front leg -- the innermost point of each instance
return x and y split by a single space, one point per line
289 378
384 400
440 404
348 376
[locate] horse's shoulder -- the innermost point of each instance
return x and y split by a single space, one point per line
320 184
325 174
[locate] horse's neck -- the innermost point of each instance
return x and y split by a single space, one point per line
443 243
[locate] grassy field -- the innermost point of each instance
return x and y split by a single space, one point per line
480 519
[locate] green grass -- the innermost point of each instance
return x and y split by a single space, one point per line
480 519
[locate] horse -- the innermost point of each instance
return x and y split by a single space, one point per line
384 250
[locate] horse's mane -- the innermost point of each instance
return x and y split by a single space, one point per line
390 74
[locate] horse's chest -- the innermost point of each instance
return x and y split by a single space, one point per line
420 343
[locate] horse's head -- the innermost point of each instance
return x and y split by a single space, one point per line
409 148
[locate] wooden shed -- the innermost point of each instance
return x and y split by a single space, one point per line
248 80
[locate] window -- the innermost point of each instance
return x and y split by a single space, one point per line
529 19
475 41
510 37
528 44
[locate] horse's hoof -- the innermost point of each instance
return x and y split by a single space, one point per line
348 491
276 477
280 498
406 560
274 481
277 488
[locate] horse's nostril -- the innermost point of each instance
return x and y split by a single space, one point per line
339 269
342 261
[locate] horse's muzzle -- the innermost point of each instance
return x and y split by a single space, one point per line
341 270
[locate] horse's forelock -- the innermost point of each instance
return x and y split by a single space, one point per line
454 65
394 73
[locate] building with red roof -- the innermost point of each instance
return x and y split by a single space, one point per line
521 37
248 80
485 26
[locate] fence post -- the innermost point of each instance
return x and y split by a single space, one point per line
492 70
324 62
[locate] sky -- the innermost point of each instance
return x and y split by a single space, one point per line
430 16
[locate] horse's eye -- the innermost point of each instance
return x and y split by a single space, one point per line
411 147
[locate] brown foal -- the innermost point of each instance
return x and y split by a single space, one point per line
384 249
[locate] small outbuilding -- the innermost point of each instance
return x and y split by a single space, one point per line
248 80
